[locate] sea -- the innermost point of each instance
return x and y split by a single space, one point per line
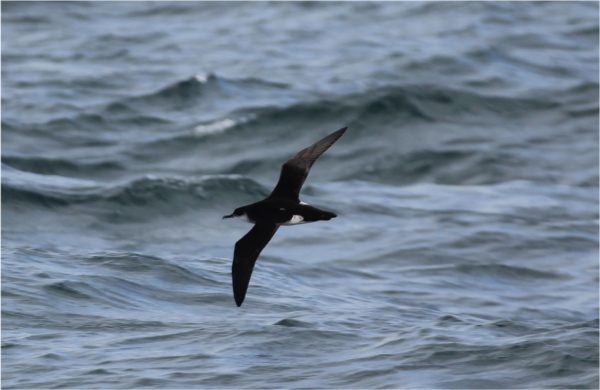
465 251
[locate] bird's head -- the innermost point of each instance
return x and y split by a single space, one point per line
239 212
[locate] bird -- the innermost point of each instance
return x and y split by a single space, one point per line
281 207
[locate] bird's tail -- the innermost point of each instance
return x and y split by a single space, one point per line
327 215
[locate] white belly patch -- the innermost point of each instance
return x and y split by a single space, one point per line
296 220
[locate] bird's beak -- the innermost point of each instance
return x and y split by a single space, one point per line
228 216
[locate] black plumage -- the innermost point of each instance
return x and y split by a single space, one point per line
281 207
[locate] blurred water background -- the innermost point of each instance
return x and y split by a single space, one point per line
465 254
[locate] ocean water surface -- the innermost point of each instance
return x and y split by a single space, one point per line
465 253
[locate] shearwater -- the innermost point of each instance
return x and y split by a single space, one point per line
281 207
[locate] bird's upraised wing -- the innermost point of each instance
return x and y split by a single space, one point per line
295 170
245 254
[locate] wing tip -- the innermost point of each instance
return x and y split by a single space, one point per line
338 133
238 296
238 292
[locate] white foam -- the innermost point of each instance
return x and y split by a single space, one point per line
202 77
214 127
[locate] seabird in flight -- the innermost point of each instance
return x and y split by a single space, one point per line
281 207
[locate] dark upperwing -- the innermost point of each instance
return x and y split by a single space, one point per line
245 254
295 170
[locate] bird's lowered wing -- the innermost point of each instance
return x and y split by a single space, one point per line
245 254
295 170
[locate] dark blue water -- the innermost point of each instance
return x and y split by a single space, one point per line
465 254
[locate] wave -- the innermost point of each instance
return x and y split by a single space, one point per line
170 192
386 111
446 165
184 103
190 93
507 272
125 280
211 112
65 166
136 263
272 101
413 102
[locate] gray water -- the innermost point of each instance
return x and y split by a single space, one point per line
465 253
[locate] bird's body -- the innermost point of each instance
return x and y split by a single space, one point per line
281 207
281 211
